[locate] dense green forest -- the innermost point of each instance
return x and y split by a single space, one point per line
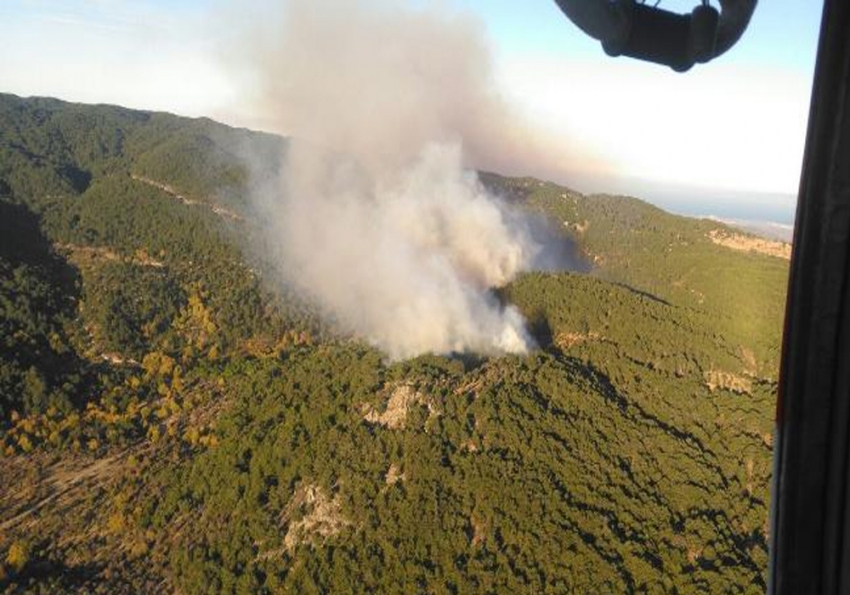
169 422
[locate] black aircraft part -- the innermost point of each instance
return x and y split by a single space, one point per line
810 527
638 30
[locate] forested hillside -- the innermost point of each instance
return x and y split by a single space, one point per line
171 421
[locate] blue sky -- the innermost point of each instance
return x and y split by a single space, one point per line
783 33
725 138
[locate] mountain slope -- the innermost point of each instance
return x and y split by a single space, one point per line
215 436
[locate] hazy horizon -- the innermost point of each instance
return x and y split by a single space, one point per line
725 139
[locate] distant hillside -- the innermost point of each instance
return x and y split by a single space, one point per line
782 233
690 263
170 423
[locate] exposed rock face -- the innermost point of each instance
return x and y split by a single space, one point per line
394 475
400 400
579 228
745 243
311 515
479 531
718 379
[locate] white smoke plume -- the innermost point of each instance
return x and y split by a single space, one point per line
374 215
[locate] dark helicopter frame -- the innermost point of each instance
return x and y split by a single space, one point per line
810 520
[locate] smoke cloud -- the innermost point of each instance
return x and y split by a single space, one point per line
374 215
